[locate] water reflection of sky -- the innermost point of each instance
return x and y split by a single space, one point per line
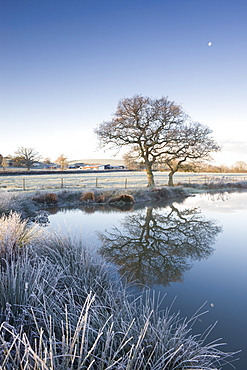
220 279
219 202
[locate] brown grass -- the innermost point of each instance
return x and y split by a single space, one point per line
123 198
88 197
48 198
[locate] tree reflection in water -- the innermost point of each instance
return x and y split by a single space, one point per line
158 248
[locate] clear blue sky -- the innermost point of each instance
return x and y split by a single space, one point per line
65 64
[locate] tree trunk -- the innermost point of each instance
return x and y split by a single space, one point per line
150 175
170 181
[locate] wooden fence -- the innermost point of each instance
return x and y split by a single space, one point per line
104 180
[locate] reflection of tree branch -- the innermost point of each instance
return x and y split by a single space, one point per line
159 248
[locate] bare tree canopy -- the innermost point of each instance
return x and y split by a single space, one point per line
193 144
155 129
239 166
27 157
62 161
144 124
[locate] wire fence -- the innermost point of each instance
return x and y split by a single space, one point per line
104 180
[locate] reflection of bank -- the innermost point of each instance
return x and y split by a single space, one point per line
158 248
106 208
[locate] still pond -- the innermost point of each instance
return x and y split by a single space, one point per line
193 253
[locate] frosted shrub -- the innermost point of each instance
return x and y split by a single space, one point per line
16 202
15 233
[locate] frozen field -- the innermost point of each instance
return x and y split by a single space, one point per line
108 179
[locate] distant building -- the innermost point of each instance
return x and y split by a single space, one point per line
108 167
94 167
74 166
52 166
100 167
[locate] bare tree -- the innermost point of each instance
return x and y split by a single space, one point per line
62 161
146 125
192 143
27 157
47 160
240 166
4 163
157 130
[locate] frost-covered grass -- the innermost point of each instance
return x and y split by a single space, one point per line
219 185
15 234
120 179
60 308
17 202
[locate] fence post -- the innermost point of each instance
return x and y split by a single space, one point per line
24 185
61 182
125 183
96 182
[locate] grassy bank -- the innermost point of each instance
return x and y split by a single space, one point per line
60 308
29 203
215 186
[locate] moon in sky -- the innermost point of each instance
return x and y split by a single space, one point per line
210 43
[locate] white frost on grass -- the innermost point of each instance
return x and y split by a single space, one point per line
60 306
19 202
16 233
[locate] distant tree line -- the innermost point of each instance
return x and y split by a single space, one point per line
28 157
238 167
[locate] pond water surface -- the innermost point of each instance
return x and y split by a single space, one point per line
195 251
